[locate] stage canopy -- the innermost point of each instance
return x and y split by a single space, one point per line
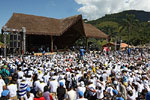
62 32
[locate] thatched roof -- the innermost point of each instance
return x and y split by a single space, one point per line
50 26
91 31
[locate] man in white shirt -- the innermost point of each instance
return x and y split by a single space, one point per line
53 85
100 93
81 96
36 85
71 95
2 85
42 85
46 78
13 90
81 87
20 73
92 91
29 95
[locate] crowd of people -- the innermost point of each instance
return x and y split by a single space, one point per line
71 76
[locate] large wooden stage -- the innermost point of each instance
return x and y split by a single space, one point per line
47 53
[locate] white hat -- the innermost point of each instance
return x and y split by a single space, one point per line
41 79
115 82
23 78
82 84
53 78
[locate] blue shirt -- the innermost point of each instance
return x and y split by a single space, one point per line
82 52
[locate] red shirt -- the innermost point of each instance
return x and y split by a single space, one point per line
41 98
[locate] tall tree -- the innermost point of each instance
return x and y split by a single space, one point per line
128 24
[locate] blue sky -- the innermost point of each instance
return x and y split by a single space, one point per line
49 8
90 9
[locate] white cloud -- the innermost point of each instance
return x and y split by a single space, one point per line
93 9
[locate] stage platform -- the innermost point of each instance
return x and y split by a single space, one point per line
47 53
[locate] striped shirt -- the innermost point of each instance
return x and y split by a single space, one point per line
22 88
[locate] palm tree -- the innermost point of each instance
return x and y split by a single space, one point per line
128 24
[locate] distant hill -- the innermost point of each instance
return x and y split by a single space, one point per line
142 16
115 26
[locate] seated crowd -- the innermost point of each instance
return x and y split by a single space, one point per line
98 76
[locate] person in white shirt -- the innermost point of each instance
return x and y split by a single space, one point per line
20 73
29 95
62 80
131 95
81 96
99 93
71 94
92 91
2 85
81 87
53 85
46 78
12 87
36 84
41 86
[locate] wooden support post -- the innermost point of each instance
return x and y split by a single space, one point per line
4 36
4 40
24 39
51 43
86 44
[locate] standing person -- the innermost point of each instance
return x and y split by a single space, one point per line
39 96
61 91
29 95
2 85
22 86
92 91
12 87
81 96
42 85
81 87
46 94
20 73
81 54
53 84
71 94
36 85
123 90
5 74
43 53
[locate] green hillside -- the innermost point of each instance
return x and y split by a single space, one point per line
129 25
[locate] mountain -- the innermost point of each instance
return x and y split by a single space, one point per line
142 16
131 26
